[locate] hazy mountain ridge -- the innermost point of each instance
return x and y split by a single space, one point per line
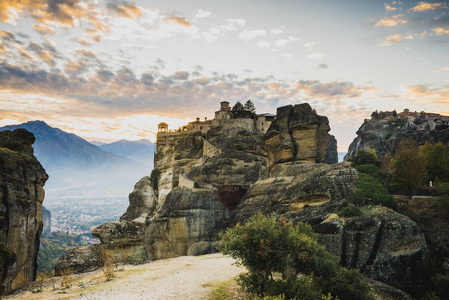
141 151
76 165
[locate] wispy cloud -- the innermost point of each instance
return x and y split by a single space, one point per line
201 14
440 31
425 6
248 35
282 42
396 38
391 21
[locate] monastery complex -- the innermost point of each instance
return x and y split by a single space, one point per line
224 115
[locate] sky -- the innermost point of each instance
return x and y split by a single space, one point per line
112 69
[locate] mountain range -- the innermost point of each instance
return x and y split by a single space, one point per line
75 165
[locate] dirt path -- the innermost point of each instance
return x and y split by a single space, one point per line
186 277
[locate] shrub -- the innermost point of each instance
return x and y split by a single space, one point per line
283 259
364 157
350 211
374 192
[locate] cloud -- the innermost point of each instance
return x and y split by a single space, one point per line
390 21
201 14
315 55
440 31
248 35
233 24
310 45
323 66
287 55
126 10
282 42
89 89
178 20
331 90
436 95
263 44
425 6
276 31
396 38
388 7
44 30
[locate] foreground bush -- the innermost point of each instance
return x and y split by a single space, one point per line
283 259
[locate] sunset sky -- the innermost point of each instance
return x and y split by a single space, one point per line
115 69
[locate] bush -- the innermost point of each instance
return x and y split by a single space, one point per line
374 192
283 259
364 157
350 211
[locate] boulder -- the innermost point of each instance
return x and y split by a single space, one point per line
79 260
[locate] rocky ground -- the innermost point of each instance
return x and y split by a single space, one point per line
185 277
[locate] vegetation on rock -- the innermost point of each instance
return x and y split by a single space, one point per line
286 259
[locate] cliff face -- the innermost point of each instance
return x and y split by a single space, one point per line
21 192
46 219
383 136
210 182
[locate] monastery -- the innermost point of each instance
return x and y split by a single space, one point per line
261 122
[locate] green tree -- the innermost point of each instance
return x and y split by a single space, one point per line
408 167
375 115
395 113
275 253
437 162
249 106
239 111
364 157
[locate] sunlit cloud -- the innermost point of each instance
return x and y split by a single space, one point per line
396 38
178 20
126 10
440 31
390 21
388 7
425 6
44 30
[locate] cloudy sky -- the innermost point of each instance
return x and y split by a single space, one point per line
106 69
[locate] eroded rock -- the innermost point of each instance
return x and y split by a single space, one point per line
22 179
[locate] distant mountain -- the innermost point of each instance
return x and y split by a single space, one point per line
141 151
97 143
75 165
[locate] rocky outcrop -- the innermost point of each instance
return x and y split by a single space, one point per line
142 202
188 223
79 260
297 134
46 219
384 136
291 187
383 244
21 194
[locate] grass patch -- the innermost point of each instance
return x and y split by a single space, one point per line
224 290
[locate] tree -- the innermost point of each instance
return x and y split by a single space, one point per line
275 253
364 157
408 167
437 162
395 113
249 106
375 115
239 111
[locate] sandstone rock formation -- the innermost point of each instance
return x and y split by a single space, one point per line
384 245
21 194
383 136
297 134
212 181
